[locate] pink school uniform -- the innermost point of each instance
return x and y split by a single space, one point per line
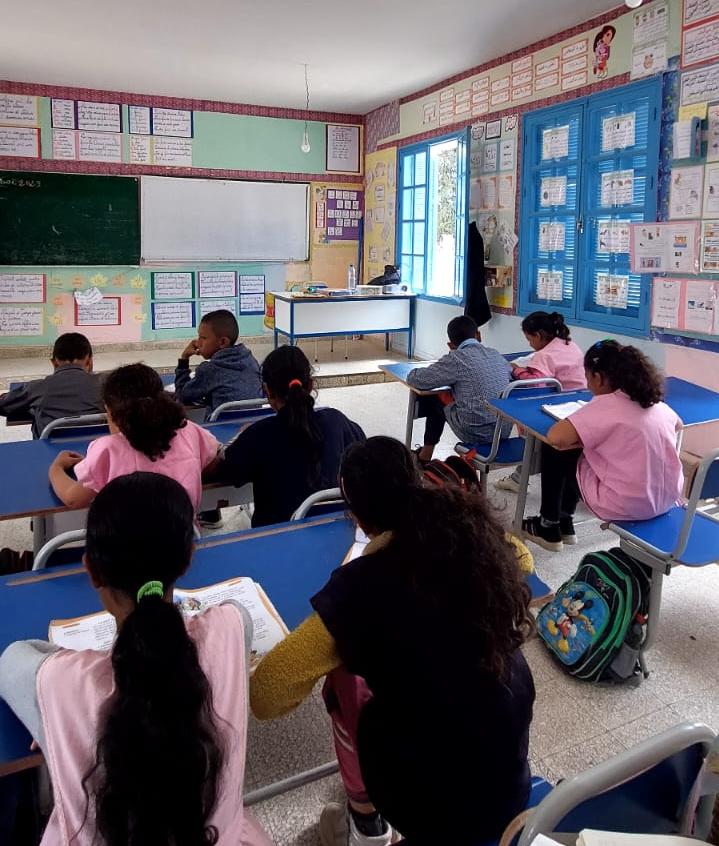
72 688
560 360
191 450
630 468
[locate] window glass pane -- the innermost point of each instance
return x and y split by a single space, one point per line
407 170
419 201
420 167
406 269
419 238
406 242
407 204
442 219
417 272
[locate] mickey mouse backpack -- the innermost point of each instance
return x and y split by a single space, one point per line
596 623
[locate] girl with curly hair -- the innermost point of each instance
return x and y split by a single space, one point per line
429 693
148 432
618 453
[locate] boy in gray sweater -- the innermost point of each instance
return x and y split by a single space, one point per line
473 373
230 372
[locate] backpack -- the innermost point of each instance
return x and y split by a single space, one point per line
452 471
596 623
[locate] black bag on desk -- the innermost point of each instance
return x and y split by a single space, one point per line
389 277
596 623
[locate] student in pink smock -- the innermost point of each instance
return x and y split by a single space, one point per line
618 453
555 355
148 431
145 744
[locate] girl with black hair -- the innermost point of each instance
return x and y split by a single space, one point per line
428 690
148 431
146 744
556 356
618 453
294 453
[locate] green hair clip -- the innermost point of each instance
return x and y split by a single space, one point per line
150 589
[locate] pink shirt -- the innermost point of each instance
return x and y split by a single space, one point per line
560 360
630 468
191 450
73 686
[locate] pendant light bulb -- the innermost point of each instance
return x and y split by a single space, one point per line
633 4
305 145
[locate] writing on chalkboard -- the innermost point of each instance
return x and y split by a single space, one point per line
19 182
20 321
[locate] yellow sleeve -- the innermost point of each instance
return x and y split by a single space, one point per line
287 674
524 556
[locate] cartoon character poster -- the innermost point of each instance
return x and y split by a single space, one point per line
573 621
603 50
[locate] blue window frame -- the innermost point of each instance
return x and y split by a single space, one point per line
432 217
579 193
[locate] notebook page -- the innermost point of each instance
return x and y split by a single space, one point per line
562 410
591 837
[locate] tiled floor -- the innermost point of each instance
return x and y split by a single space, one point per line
575 725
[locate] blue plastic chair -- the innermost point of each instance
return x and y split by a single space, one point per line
684 535
321 502
237 409
644 790
503 452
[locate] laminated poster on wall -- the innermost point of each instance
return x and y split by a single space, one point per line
505 190
665 247
488 191
700 44
553 191
611 290
617 188
712 133
666 300
710 246
711 190
22 288
695 11
650 23
549 285
489 158
613 236
648 59
506 154
700 301
555 143
551 237
685 196
618 132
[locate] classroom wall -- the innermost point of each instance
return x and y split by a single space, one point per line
499 91
235 141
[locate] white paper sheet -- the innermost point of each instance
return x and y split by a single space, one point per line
489 158
506 154
99 117
562 410
22 287
174 285
505 188
139 119
648 59
685 197
206 306
21 320
64 144
172 122
612 290
172 152
699 10
699 305
549 285
613 236
700 85
88 297
18 110
650 23
19 141
555 143
252 284
666 299
553 191
140 147
700 44
618 132
167 315
217 283
666 247
617 188
62 114
343 146
252 303
551 236
711 190
488 190
100 146
683 135
710 246
106 312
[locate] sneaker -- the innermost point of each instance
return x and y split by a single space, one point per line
337 828
550 537
508 483
566 528
210 519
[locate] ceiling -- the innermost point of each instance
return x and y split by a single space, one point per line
360 54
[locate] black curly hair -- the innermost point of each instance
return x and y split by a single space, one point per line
450 548
547 325
626 369
142 410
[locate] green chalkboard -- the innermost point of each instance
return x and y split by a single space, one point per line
57 218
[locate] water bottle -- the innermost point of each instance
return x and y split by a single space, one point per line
352 279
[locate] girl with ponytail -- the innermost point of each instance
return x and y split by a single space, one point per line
145 744
555 355
294 453
428 690
148 432
618 453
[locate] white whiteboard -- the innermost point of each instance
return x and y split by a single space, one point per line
223 220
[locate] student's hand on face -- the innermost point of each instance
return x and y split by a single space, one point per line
67 459
190 349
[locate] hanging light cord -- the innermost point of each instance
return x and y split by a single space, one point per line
307 92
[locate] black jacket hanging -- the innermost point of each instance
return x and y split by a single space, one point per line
476 303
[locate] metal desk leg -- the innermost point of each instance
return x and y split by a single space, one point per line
386 341
39 533
347 349
275 338
411 410
529 447
655 603
279 787
316 353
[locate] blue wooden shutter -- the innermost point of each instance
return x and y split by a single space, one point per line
461 219
412 238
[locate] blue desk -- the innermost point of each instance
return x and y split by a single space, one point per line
694 404
399 373
26 463
291 561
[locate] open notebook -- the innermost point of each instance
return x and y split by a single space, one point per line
97 631
562 410
590 837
